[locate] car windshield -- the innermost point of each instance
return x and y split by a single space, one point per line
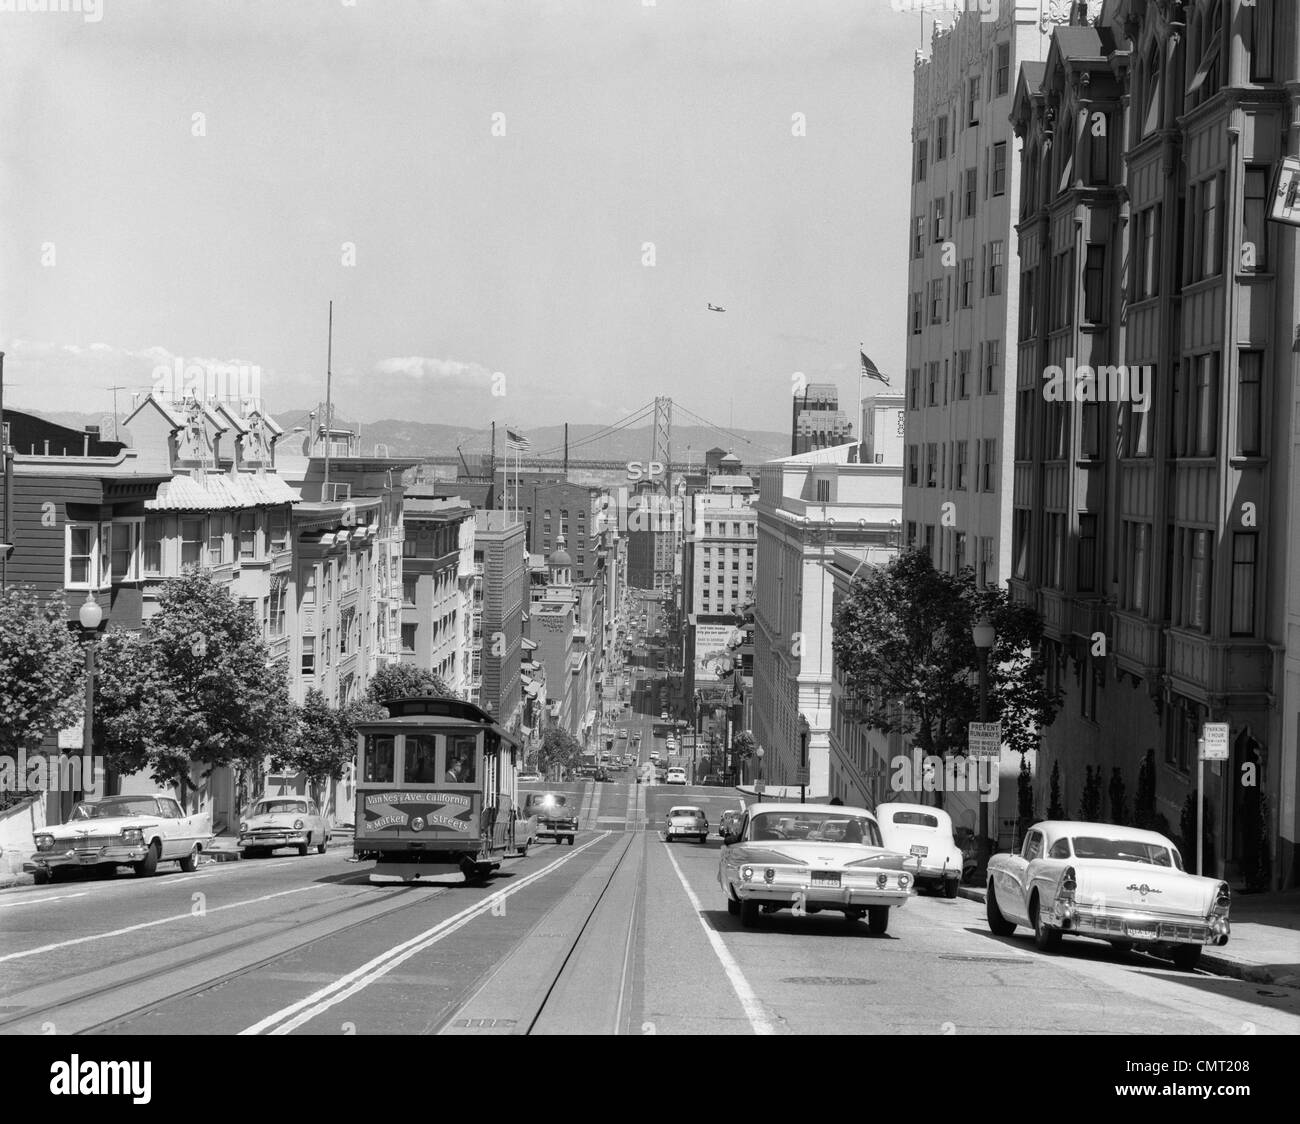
683 812
915 819
1124 850
270 807
119 806
814 827
547 799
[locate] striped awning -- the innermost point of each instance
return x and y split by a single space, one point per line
218 491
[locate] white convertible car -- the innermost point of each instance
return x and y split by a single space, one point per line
812 858
141 831
1119 884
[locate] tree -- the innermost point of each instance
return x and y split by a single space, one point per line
1024 800
1187 829
903 635
41 674
324 746
1118 804
1090 801
1055 809
743 745
402 680
196 686
559 749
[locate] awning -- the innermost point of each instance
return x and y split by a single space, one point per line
528 645
217 491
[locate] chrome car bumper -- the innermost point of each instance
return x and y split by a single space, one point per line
1139 925
820 895
680 830
545 830
273 839
49 860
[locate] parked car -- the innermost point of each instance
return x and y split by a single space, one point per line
925 833
530 777
686 822
675 776
139 831
556 818
283 821
778 859
1119 884
729 824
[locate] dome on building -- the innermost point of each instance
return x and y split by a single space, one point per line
560 556
731 460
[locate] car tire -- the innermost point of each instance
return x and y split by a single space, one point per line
148 866
41 877
950 887
749 913
733 906
999 926
190 863
1186 957
303 848
320 850
852 916
878 919
1046 938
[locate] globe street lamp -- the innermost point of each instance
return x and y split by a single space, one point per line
984 635
90 615
758 781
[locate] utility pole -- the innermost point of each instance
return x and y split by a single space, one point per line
329 361
566 450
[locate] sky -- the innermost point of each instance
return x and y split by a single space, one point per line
520 209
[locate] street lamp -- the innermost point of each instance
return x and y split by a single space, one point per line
89 615
984 635
758 781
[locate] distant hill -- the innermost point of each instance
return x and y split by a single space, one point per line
405 438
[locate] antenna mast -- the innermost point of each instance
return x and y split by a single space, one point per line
329 361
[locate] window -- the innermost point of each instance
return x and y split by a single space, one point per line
1094 283
960 466
932 383
1086 574
921 149
1151 114
997 267
973 102
1004 68
911 533
1055 578
409 582
918 236
1000 168
82 556
931 464
1261 40
153 540
1137 420
970 192
823 491
992 360
1020 542
966 291
1028 304
1098 127
936 301
936 220
1206 79
125 551
913 466
1244 553
929 540
1024 446
963 373
1250 428
941 140
913 388
916 314
193 533
1200 421
1147 274
988 465
1196 591
248 534
1254 231
959 550
1137 555
275 607
1205 234
309 655
987 564
1090 418
217 540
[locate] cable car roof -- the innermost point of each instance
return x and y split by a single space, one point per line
431 710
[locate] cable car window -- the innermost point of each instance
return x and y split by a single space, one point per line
421 766
379 758
460 758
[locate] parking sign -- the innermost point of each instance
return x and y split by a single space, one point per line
1214 742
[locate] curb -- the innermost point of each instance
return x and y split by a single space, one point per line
234 853
1212 961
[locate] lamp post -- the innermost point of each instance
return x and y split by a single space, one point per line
758 781
89 616
984 635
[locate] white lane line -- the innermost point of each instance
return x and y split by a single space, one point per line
42 901
321 1000
749 1002
148 925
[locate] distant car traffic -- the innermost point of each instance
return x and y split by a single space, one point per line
654 755
1118 884
663 716
925 833
686 822
530 777
283 821
819 857
676 776
730 822
556 819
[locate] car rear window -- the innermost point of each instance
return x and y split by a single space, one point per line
915 819
549 799
684 812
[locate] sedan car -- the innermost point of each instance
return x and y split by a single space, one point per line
675 776
1119 884
283 821
556 818
730 823
812 858
139 831
686 821
925 833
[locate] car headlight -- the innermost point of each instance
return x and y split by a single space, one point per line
132 836
882 880
747 873
297 825
904 881
243 827
45 842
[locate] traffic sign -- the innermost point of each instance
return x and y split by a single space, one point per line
801 775
1214 741
984 739
760 787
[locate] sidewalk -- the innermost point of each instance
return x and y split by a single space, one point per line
1265 943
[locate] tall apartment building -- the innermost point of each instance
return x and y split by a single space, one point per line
1156 515
500 601
436 625
816 420
962 301
809 505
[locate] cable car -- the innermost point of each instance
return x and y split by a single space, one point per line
436 791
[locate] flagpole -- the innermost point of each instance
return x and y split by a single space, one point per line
858 419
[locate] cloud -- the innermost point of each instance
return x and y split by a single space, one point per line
419 366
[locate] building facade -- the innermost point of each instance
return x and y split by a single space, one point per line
816 420
500 599
436 592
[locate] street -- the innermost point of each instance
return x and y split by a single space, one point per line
622 933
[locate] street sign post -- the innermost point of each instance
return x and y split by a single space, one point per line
1212 746
984 739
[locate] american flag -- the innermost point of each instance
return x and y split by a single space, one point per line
870 370
515 442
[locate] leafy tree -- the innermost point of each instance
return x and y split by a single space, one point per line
324 746
1024 800
1090 801
196 686
904 635
42 671
559 749
402 680
1118 804
1055 809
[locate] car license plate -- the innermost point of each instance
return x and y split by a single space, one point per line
825 877
1142 931
920 850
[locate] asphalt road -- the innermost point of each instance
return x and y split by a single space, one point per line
621 933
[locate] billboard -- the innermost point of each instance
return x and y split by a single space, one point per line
717 649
